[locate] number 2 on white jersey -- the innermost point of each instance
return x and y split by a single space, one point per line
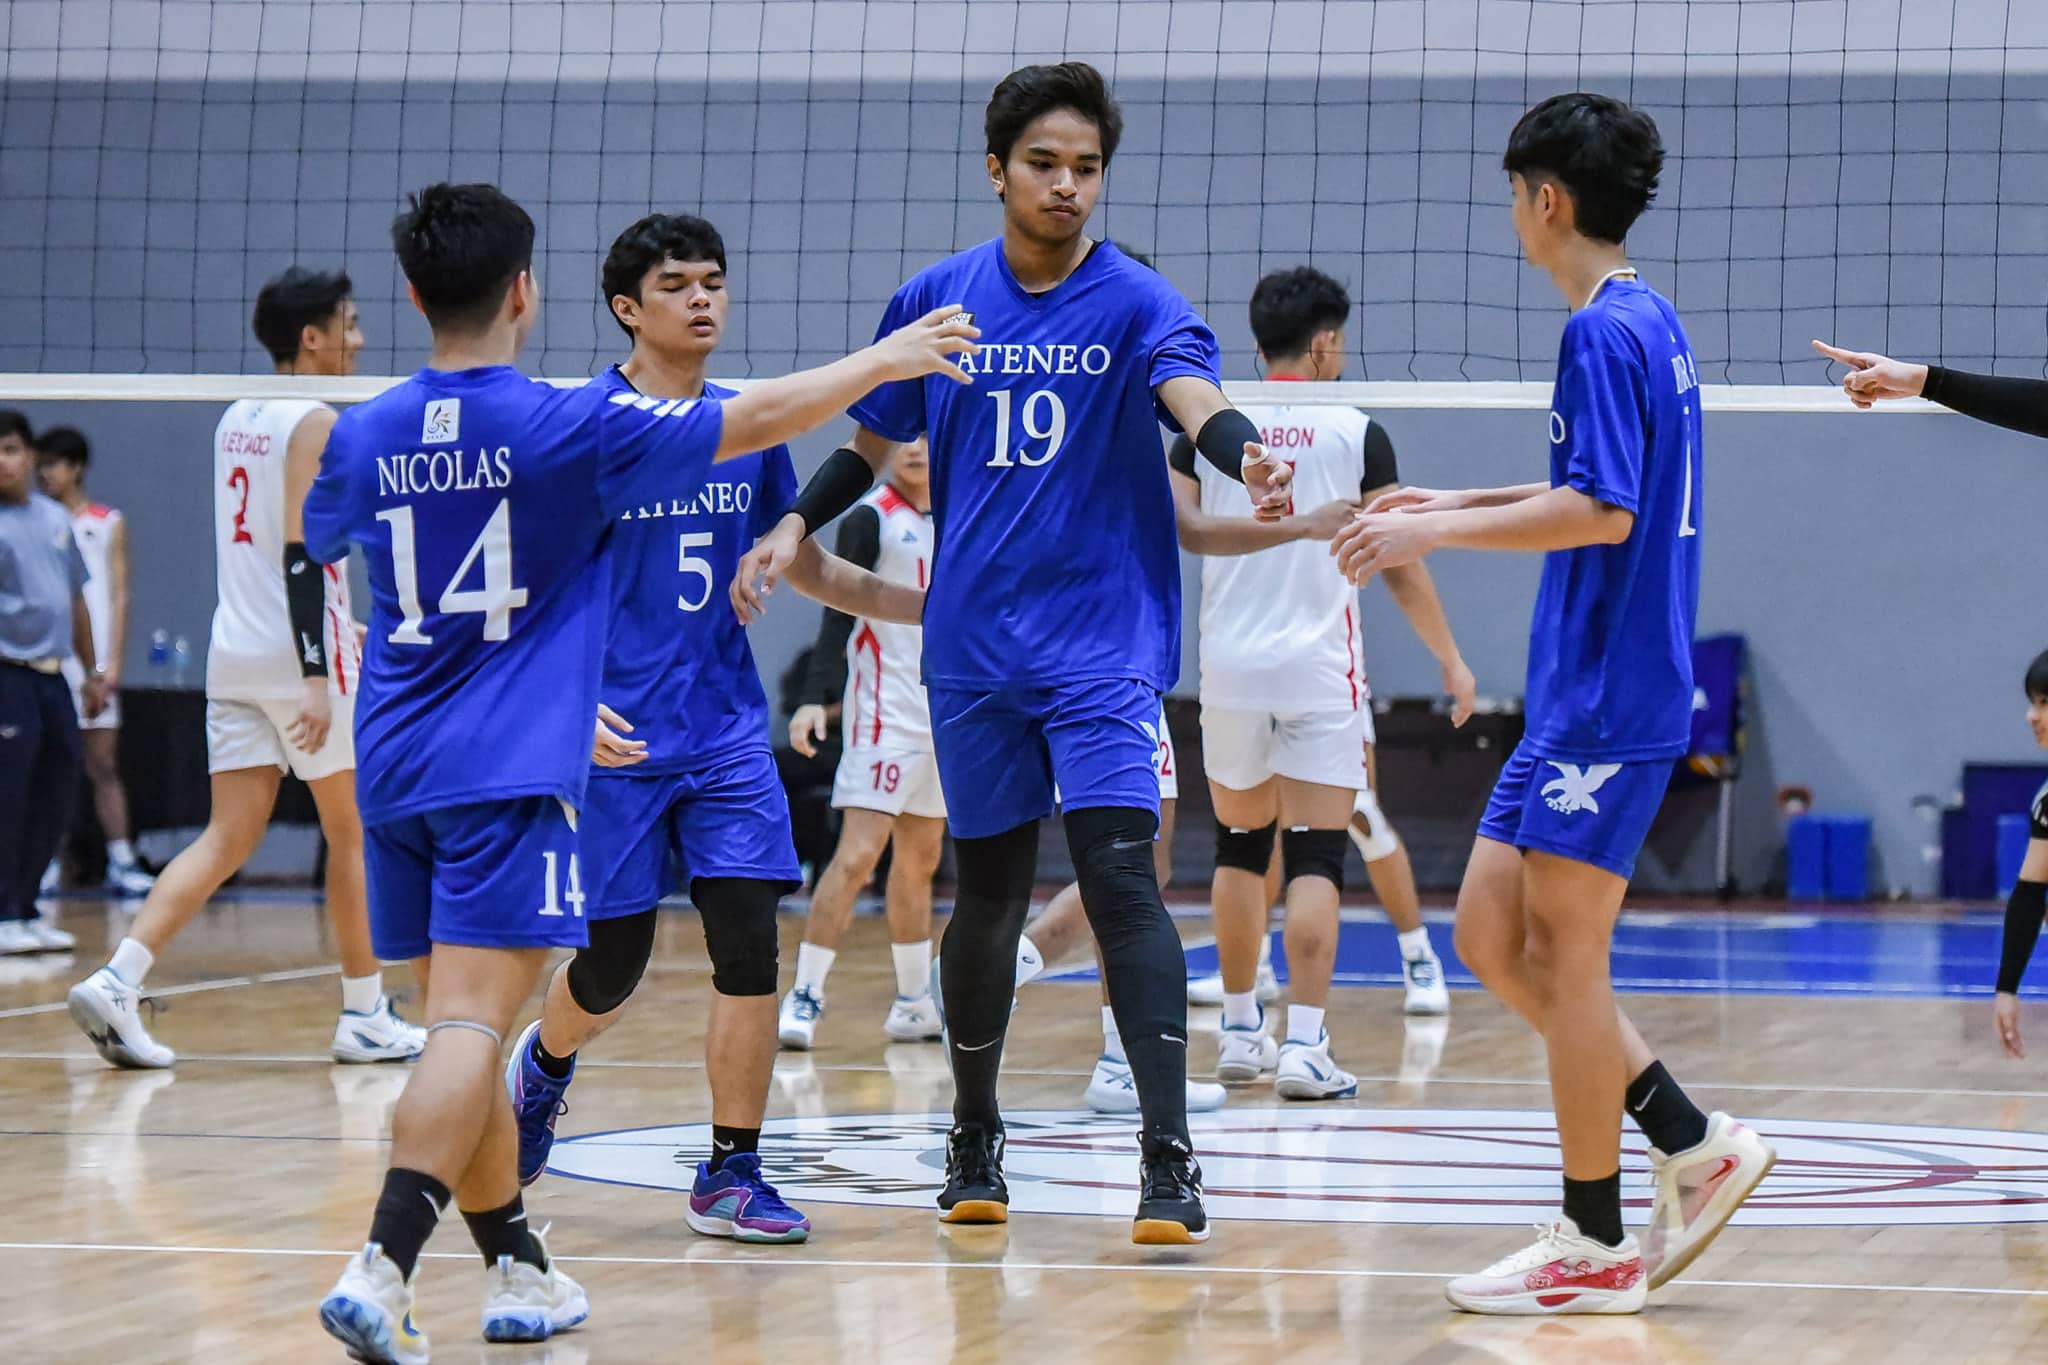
1035 414
494 601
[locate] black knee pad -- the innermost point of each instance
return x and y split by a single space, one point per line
603 974
1314 853
739 932
1112 850
1247 850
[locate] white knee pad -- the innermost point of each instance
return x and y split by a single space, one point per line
1381 841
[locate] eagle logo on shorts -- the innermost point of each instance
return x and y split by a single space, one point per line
1573 791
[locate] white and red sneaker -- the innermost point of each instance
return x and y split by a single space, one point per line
1698 1191
1562 1272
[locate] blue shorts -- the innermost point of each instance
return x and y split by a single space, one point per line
1001 753
1595 813
498 874
643 836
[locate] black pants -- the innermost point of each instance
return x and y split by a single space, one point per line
40 758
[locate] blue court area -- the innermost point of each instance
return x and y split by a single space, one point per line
1764 954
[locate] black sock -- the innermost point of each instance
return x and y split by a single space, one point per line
504 1232
553 1067
978 964
407 1210
1665 1113
1143 965
1595 1205
730 1142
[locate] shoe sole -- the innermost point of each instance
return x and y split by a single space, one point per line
1428 1010
794 1042
725 1227
973 1211
531 1324
106 1040
1165 1232
1674 1266
918 1037
362 1332
1295 1088
1573 1303
349 1058
1240 1075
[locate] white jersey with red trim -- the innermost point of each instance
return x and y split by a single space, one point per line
1280 627
885 704
93 527
252 655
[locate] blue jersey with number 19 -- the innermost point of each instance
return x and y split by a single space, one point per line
1610 647
678 667
483 501
1057 559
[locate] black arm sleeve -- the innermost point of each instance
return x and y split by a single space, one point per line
305 595
2023 912
2017 404
1181 456
840 482
859 543
1380 468
1222 440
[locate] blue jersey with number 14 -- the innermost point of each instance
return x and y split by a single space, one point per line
483 501
1610 648
1056 559
678 667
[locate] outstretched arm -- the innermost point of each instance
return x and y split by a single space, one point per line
851 590
2016 404
1202 533
1556 519
1227 439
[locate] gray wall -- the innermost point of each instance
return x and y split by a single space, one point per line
1886 180
1871 558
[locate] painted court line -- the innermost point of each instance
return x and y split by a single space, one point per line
191 988
777 1259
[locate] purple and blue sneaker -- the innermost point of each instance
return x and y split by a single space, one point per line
536 1103
734 1201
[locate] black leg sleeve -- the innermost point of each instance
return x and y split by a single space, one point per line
978 963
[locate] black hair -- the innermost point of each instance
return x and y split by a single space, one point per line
1290 306
15 423
656 238
290 303
64 443
1031 91
1605 155
2037 675
461 246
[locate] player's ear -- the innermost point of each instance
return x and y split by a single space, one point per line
626 309
412 292
995 174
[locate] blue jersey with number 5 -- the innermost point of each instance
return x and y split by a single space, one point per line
1610 648
678 667
1056 559
482 501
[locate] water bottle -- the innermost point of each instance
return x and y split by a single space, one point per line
181 661
159 658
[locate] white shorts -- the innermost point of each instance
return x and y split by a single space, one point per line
1242 749
250 734
892 781
109 719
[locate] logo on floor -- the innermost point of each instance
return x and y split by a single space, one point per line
1332 1165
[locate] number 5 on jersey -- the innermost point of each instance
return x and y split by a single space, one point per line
494 601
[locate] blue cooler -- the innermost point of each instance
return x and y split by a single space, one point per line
1848 857
1806 858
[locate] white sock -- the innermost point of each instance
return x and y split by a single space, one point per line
1241 1011
1415 943
120 853
362 994
1030 962
131 961
1112 1041
1304 1024
913 968
812 963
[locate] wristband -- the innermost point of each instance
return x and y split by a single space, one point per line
1222 441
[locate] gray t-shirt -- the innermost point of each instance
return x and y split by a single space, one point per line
40 571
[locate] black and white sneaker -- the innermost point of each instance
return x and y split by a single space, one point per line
975 1190
1170 1209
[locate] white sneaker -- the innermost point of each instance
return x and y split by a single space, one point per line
17 937
379 1036
1307 1072
1424 977
1698 1191
49 938
913 1021
1562 1272
128 880
1208 990
798 1022
1245 1054
1111 1090
369 1310
523 1303
53 878
108 1011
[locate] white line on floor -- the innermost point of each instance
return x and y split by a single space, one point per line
191 988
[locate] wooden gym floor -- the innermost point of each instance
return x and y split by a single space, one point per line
198 1215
